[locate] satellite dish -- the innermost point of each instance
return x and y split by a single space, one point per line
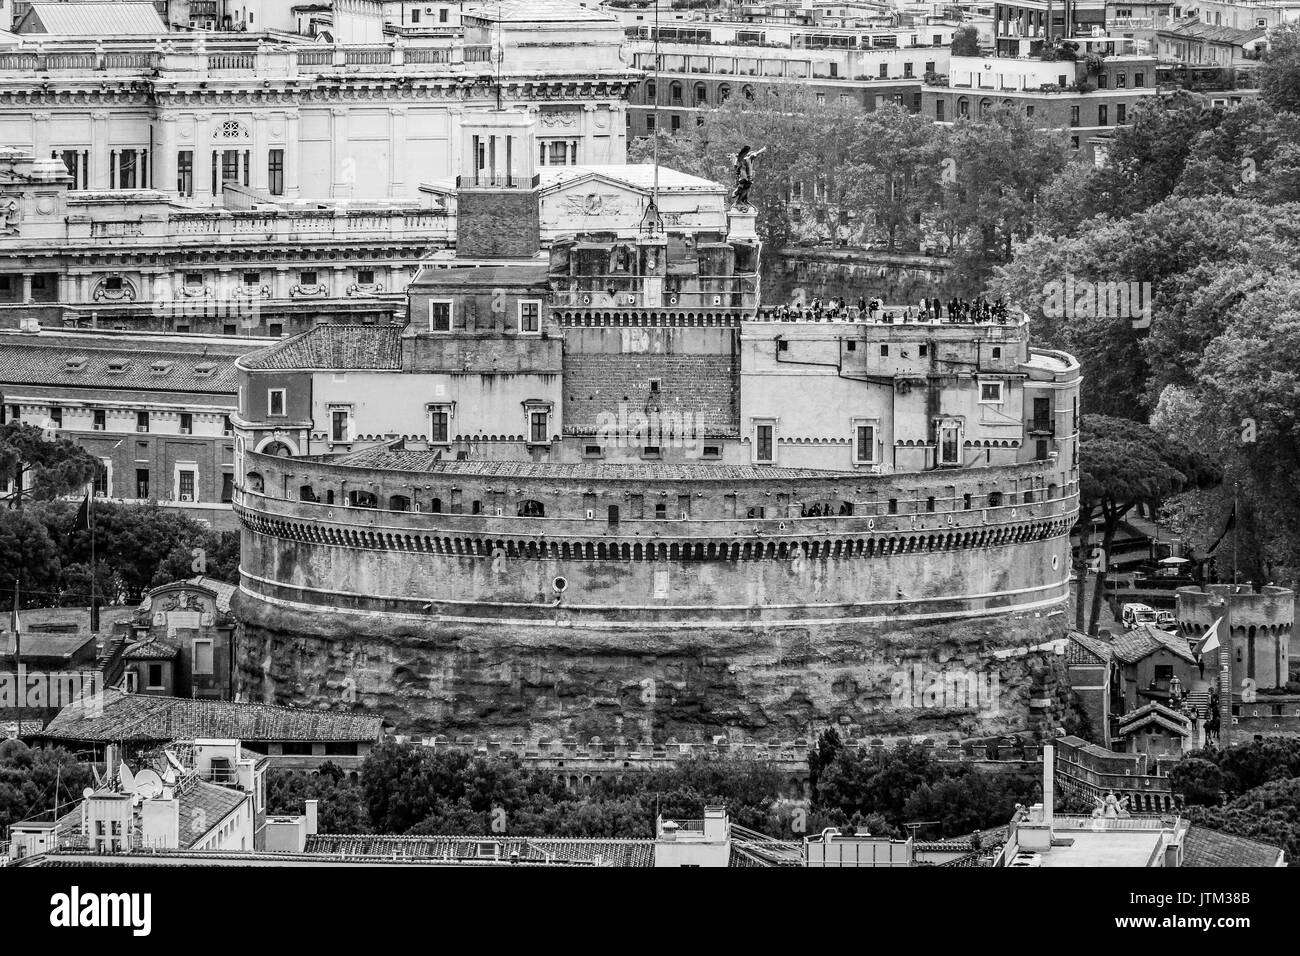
147 785
125 779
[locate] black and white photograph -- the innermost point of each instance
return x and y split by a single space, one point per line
510 435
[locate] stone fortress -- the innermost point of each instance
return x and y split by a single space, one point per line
592 487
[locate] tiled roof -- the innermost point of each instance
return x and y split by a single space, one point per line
334 347
99 364
422 461
88 19
1205 847
522 274
1084 649
208 802
152 650
1195 30
37 644
117 716
538 11
1157 713
611 852
1145 639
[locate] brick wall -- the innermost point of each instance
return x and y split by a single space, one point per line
497 224
703 386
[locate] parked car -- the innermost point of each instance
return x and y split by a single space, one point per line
1166 621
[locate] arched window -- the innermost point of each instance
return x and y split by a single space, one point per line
963 106
253 482
277 449
399 503
531 509
306 493
701 94
436 506
675 93
748 91
995 499
985 106
651 91
724 93
362 499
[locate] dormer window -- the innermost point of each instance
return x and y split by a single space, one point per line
160 368
75 364
202 371
117 366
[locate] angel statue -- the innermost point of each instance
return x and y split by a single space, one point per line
1111 807
744 176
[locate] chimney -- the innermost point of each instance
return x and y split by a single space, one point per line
311 816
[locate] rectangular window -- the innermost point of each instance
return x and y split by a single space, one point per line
763 442
142 482
56 416
439 425
185 485
76 161
990 393
938 110
185 172
203 657
102 484
142 421
1074 116
440 315
275 400
275 172
537 427
1103 115
1121 114
907 69
98 419
155 681
340 424
187 423
530 316
864 444
1139 79
227 487
949 445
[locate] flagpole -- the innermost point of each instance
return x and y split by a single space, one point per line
20 690
90 520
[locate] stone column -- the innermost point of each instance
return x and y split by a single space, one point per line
291 155
588 136
27 287
99 157
456 165
259 178
165 160
280 287
203 160
397 152
41 134
342 165
338 284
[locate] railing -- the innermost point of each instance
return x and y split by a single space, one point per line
1072 822
851 315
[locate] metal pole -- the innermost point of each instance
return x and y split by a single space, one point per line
654 194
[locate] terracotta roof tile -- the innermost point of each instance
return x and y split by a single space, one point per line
334 347
118 716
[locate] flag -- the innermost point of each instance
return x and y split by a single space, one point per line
1210 639
83 516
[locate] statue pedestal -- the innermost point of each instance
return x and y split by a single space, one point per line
742 223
